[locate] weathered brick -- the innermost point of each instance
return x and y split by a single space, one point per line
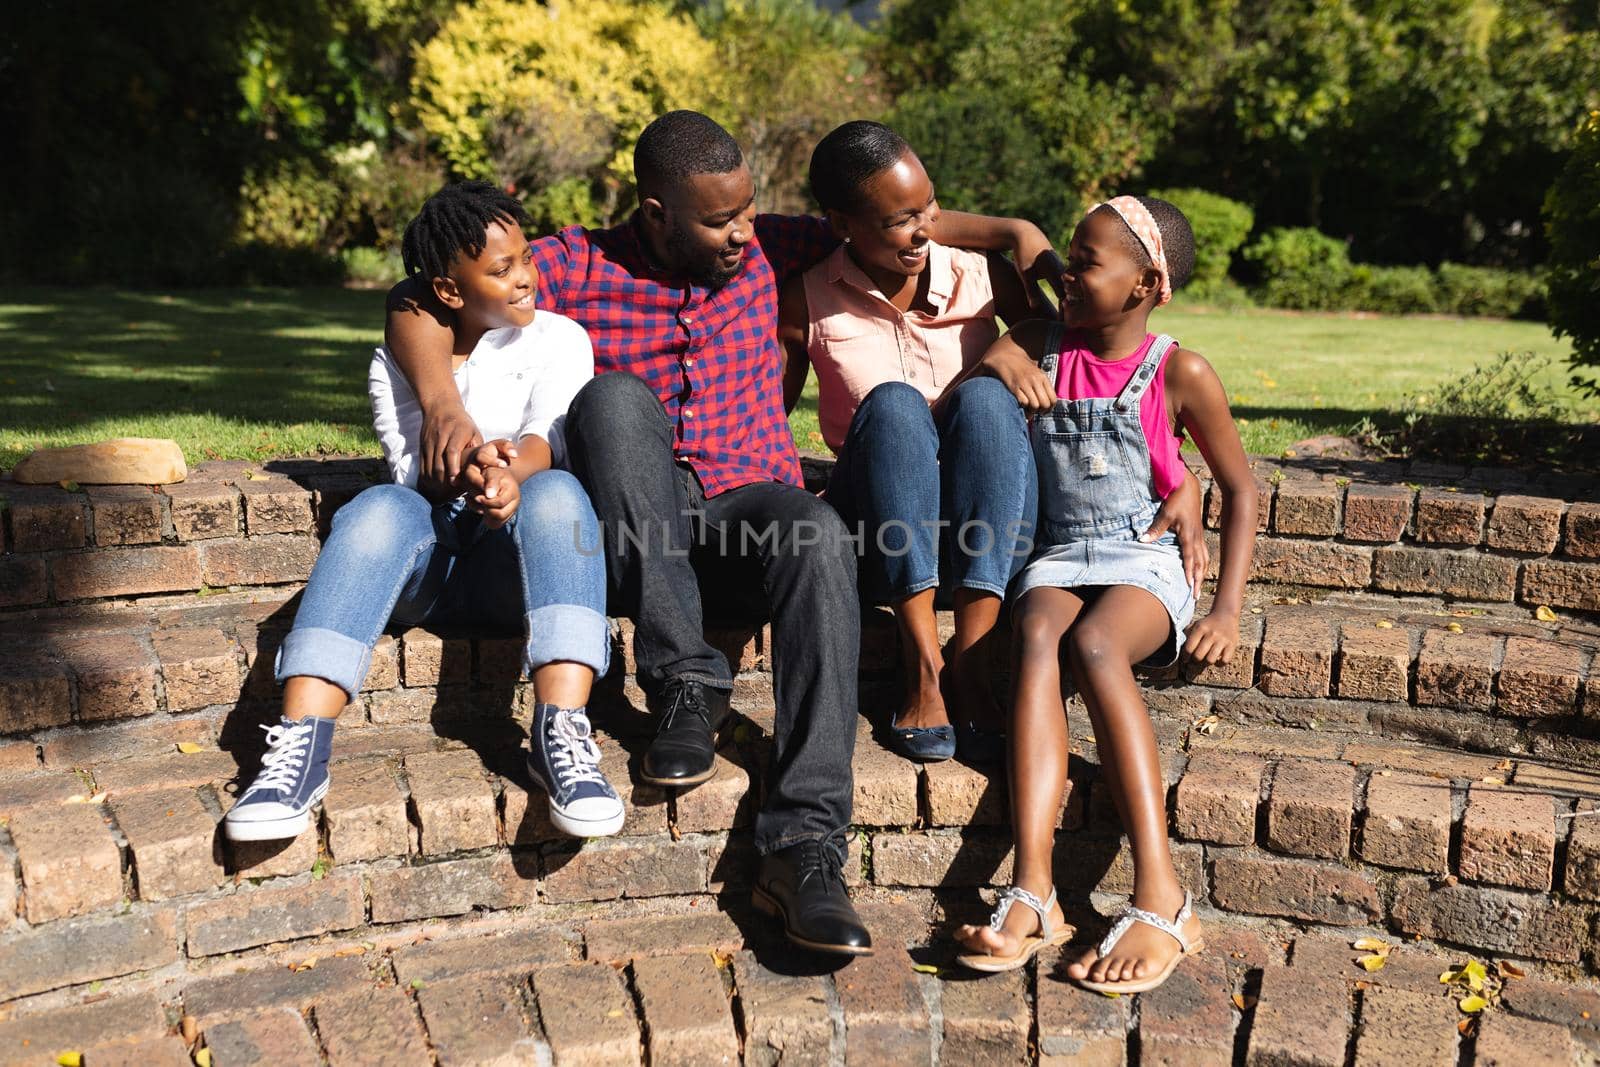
885 1017
942 859
373 1024
275 506
22 581
1297 656
229 994
613 868
1455 670
276 913
70 861
661 935
474 1021
686 1015
453 887
1449 518
986 1021
1188 862
512 951
1400 1026
46 1035
199 667
170 841
1508 838
1441 572
278 1036
271 859
167 1051
724 802
1583 531
1374 662
1539 678
1188 1021
430 659
165 771
1553 582
1299 889
1507 1041
1310 809
454 803
786 1018
1309 509
125 515
18 756
365 812
500 659
1217 796
1567 1005
1077 1027
126 740
1377 513
34 692
45 519
885 785
258 560
1326 564
1529 524
383 670
1241 673
1263 504
201 511
1269 741
587 1014
1582 876
85 949
1299 1020
960 795
116 676
46 790
1407 823
1498 920
125 572
10 892
395 707
1434 762
334 493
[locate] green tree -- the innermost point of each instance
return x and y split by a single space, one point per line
1572 214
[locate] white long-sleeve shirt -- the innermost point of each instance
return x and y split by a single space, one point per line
516 382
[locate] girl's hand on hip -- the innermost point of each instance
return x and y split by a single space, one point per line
499 498
1022 378
1213 639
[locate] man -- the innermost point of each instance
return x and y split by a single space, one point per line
684 447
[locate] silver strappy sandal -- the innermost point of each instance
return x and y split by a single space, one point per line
1172 928
1031 945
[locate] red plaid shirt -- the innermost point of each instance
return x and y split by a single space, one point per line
712 357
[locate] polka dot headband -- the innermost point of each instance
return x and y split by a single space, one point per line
1144 227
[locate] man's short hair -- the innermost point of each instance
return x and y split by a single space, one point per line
679 145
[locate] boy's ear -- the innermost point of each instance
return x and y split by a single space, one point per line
654 211
447 292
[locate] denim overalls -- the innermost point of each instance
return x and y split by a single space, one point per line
1096 498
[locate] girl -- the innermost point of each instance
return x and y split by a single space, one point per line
1110 400
514 543
935 469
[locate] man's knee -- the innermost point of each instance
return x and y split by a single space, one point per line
612 398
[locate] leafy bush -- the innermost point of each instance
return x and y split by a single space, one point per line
1572 220
1506 294
1300 268
290 204
1220 227
371 267
1224 294
1391 290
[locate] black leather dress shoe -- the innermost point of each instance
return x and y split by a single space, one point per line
804 886
686 741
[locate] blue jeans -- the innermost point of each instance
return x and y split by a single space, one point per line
951 497
394 557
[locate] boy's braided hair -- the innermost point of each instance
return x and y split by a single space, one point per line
1177 239
847 157
453 222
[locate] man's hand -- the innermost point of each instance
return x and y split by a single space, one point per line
498 500
1182 513
1021 376
1213 639
447 432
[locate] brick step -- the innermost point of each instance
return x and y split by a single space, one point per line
1429 529
696 985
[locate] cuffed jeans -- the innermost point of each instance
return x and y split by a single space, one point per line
948 499
762 550
394 557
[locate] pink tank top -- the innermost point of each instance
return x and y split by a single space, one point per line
1081 375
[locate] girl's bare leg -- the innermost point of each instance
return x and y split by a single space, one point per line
1123 626
923 704
1038 759
304 695
566 685
972 657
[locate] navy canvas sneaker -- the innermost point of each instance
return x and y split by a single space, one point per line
293 778
564 761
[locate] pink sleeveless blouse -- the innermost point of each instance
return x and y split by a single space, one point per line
1081 375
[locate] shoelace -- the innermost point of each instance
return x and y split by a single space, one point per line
285 756
680 699
573 751
825 855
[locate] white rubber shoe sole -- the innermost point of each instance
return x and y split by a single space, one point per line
587 827
273 829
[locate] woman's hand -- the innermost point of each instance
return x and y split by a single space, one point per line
1183 514
1213 639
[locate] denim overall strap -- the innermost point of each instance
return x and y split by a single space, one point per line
1052 352
1144 374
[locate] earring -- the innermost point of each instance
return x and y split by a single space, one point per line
847 240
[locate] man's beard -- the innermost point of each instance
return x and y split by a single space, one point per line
708 272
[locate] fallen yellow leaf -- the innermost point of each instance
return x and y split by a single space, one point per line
1374 962
304 965
1544 614
202 1058
1454 628
1242 1002
188 748
80 798
1385 624
1508 969
614 1013
1373 944
925 968
1472 1005
70 1059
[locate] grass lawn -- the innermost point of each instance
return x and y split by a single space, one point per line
248 374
